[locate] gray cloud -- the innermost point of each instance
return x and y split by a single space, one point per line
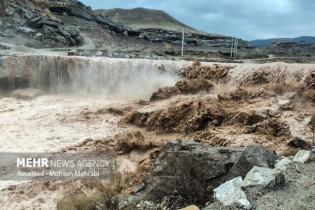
247 19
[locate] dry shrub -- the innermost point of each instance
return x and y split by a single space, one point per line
105 196
76 200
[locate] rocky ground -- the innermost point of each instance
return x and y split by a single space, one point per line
76 29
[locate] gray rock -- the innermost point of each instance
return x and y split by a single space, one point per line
48 30
72 52
255 155
189 170
84 14
26 30
263 177
60 39
230 194
34 22
138 189
50 22
158 53
9 11
79 39
125 33
302 156
284 164
299 143
99 53
38 35
72 30
146 205
64 33
54 29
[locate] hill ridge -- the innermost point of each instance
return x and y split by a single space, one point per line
141 17
264 42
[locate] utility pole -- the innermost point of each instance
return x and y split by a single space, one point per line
232 48
183 42
235 47
234 44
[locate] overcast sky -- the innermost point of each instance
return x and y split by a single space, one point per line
247 19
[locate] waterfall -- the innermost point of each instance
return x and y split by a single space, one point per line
122 78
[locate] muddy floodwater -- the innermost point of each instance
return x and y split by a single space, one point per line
101 100
49 123
70 86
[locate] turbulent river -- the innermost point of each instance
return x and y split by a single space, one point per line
70 86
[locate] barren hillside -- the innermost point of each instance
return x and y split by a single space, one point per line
145 18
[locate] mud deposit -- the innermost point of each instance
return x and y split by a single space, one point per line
221 105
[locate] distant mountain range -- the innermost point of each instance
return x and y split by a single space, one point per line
265 42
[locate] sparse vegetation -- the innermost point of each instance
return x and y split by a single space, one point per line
104 194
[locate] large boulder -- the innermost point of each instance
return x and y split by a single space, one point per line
255 155
188 170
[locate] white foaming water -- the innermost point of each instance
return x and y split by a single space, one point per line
115 78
